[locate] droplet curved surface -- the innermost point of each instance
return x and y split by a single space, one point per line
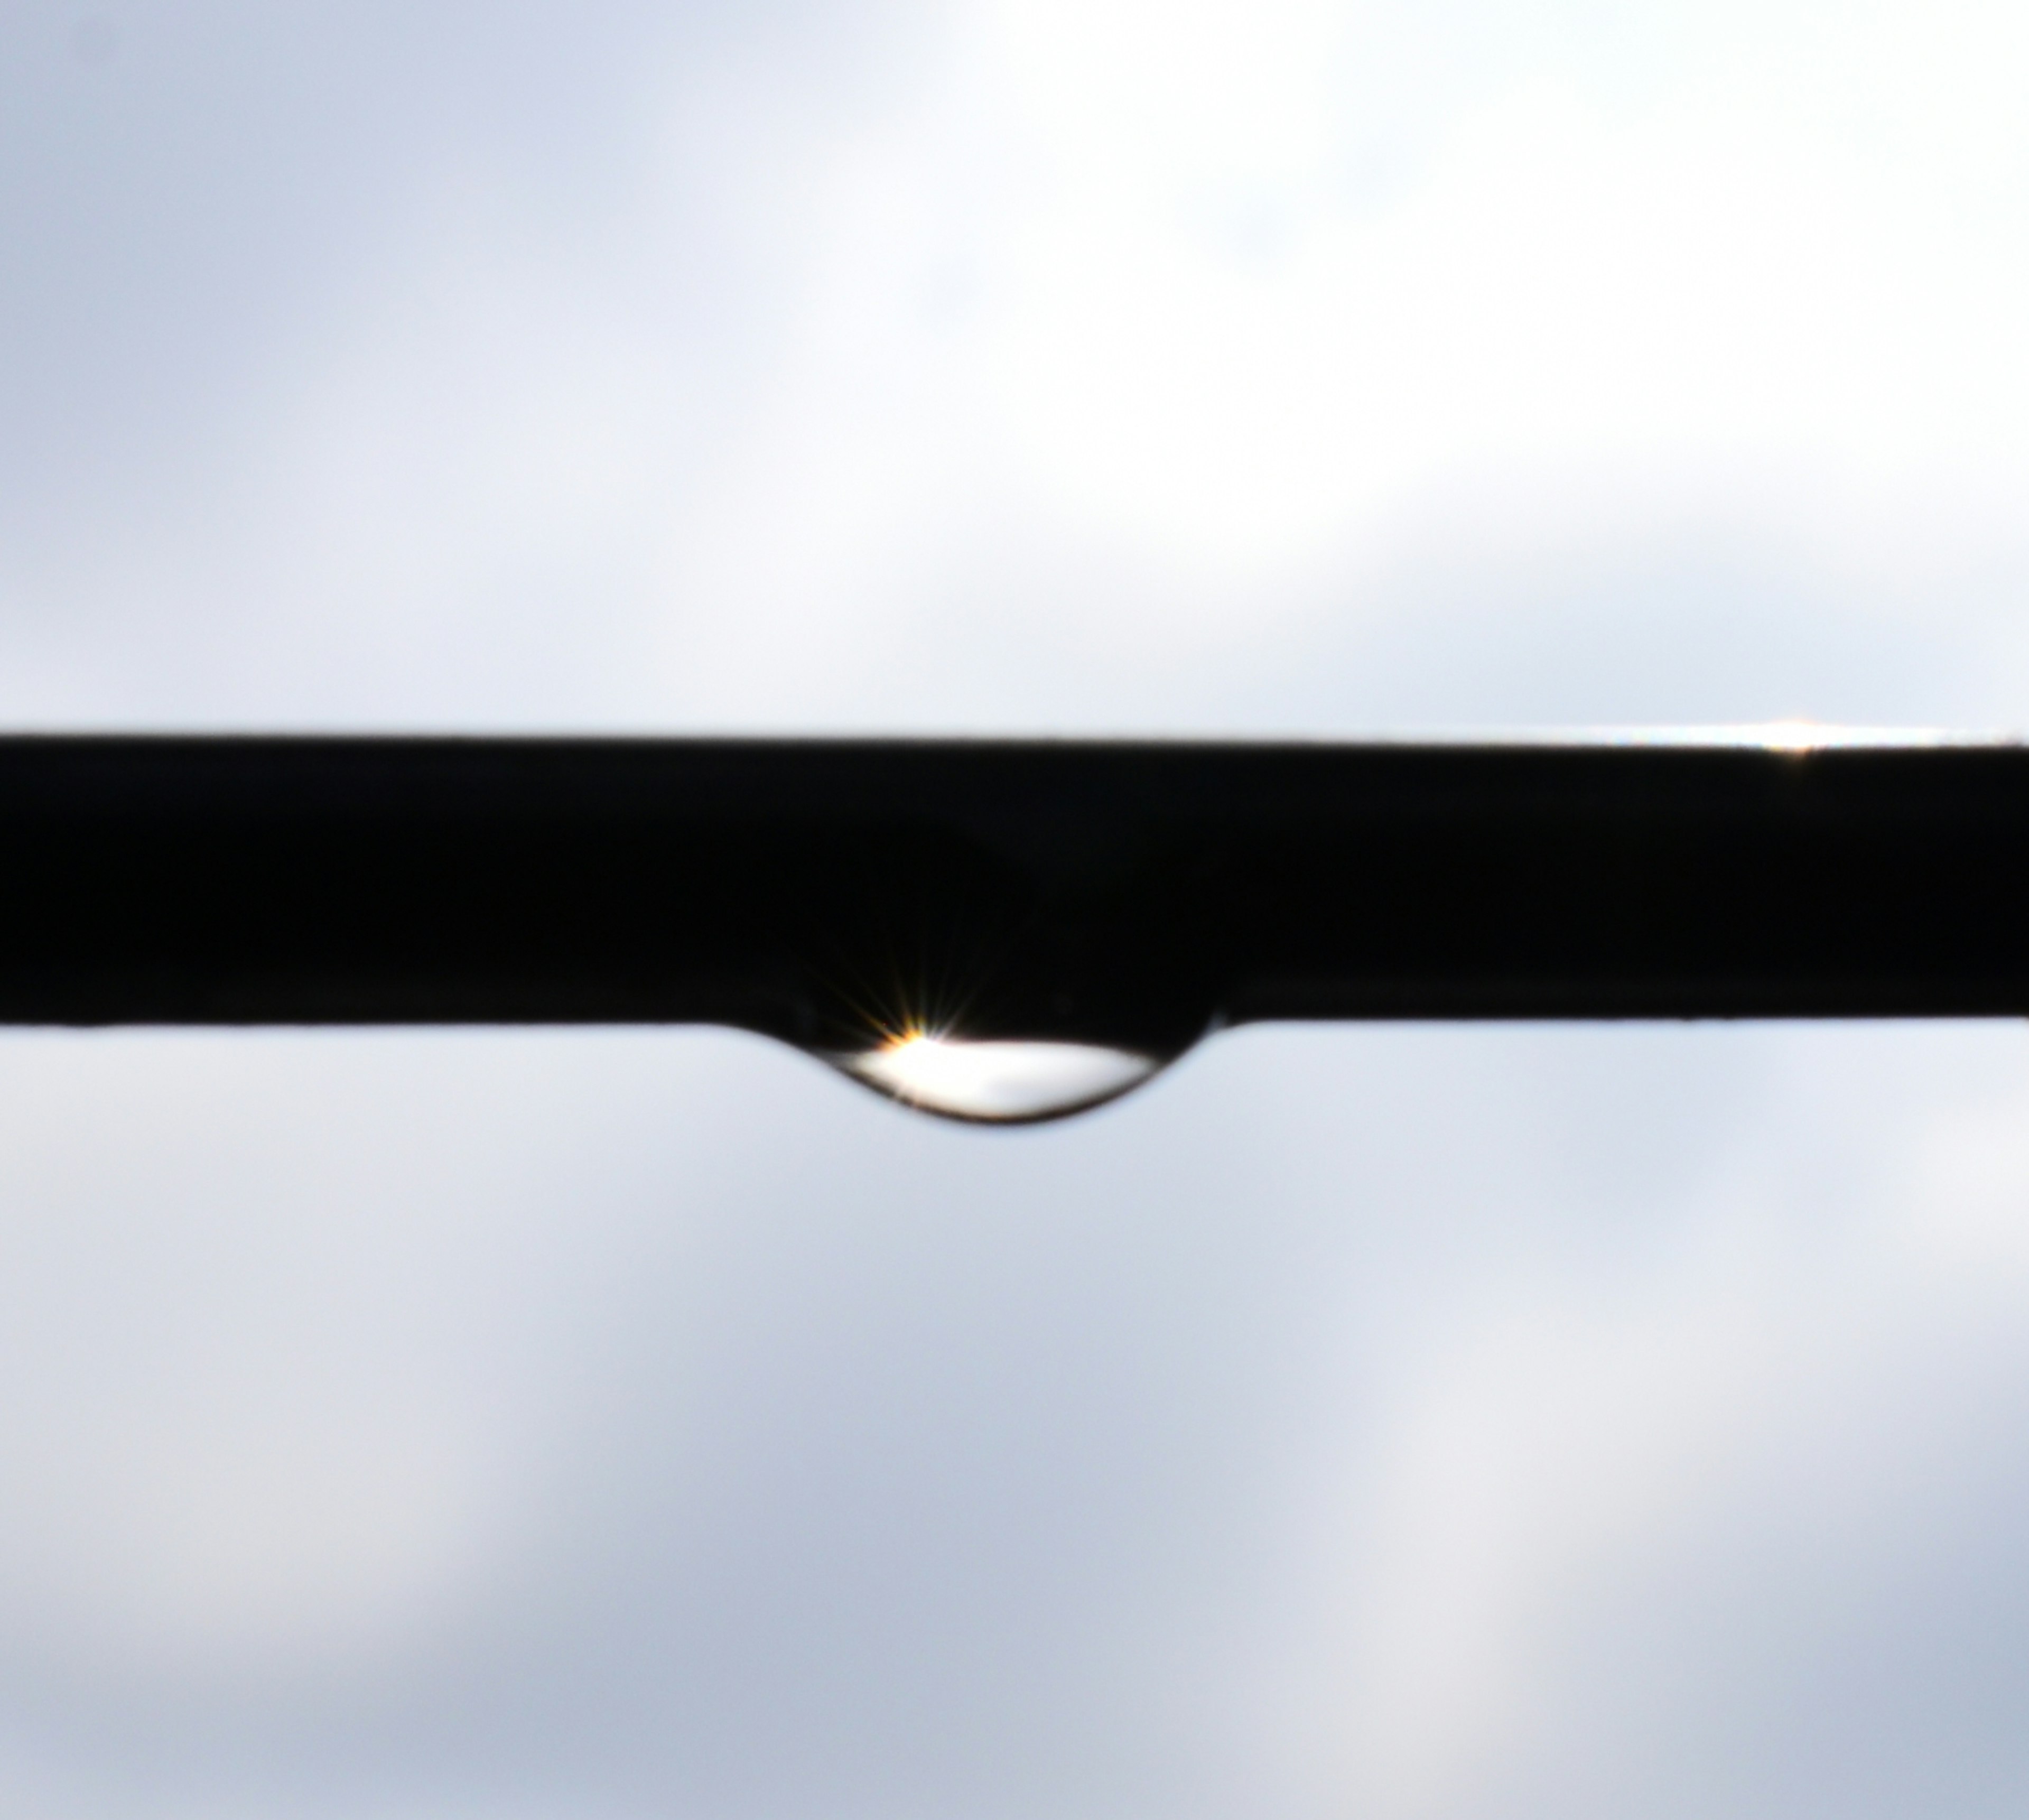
996 1081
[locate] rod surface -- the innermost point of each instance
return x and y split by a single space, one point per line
1130 892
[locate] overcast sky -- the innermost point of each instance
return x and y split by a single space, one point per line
1403 1423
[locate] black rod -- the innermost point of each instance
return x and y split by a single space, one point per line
1134 893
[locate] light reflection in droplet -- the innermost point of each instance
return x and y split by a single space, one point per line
995 1081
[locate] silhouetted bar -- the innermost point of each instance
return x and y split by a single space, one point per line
1132 893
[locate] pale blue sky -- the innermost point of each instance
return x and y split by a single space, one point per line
1421 1424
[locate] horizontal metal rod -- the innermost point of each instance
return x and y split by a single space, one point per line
1134 893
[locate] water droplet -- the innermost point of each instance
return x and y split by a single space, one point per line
998 1081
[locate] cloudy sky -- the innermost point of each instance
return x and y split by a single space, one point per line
1417 1424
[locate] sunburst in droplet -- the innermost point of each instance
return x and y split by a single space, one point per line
995 1081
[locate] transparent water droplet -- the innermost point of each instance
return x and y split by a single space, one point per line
1001 1080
